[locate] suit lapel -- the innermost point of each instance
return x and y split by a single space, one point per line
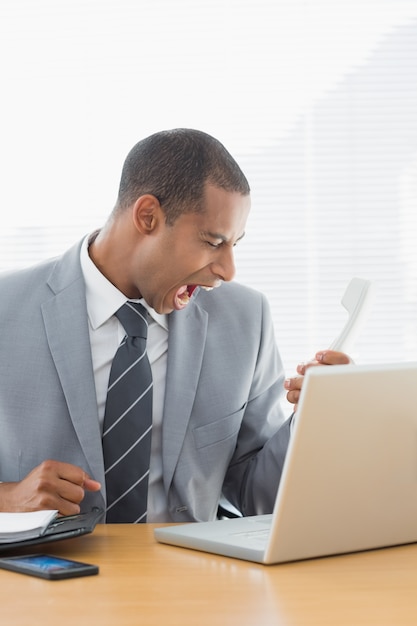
65 318
187 337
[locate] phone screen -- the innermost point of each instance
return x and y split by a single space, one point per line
47 566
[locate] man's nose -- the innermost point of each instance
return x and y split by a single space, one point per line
225 267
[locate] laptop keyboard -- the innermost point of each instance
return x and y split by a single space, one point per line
253 533
256 538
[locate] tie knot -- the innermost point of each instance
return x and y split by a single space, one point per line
132 316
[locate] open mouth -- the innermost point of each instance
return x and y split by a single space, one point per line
184 293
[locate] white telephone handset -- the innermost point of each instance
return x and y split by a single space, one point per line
357 300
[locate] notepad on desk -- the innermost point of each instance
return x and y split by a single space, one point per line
23 526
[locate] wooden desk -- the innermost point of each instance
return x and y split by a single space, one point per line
145 583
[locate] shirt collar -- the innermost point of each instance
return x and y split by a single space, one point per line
103 298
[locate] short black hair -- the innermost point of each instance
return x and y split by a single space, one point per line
174 166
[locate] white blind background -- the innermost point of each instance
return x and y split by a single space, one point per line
317 100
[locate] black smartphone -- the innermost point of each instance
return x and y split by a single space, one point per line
47 566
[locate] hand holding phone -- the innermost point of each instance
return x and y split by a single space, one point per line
47 566
357 300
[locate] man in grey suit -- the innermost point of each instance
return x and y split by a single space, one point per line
217 425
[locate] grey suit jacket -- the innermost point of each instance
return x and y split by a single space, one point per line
223 430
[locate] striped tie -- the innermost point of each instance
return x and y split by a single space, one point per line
128 421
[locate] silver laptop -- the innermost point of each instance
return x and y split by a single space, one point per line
350 477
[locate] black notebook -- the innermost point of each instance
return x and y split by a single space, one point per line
59 528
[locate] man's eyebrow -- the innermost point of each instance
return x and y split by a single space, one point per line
222 237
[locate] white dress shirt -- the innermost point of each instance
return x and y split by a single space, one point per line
106 333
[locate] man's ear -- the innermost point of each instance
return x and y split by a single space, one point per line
147 214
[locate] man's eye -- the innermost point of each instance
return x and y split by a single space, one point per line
213 245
